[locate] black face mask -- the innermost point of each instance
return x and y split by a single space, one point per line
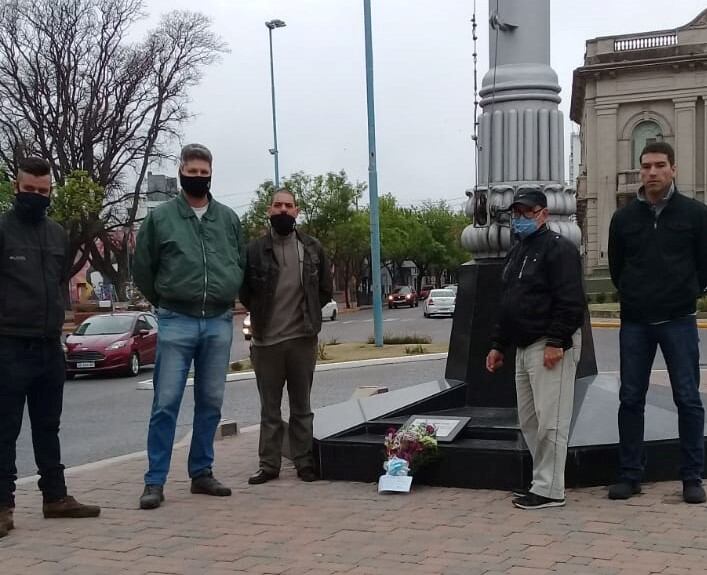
283 223
195 186
31 207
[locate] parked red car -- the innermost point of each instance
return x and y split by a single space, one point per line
112 343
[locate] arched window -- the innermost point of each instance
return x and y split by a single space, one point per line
644 133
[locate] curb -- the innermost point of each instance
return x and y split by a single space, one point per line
248 375
226 428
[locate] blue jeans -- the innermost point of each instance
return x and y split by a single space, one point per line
181 339
679 342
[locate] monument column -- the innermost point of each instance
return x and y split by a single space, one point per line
685 143
521 146
606 156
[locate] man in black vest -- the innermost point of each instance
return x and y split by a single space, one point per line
34 272
658 263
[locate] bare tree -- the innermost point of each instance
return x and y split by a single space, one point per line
74 90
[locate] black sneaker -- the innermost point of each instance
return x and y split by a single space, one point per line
534 501
152 497
693 492
209 485
521 492
624 489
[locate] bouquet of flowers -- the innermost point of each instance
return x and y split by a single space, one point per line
409 448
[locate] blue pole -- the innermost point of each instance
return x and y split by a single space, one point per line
373 183
274 150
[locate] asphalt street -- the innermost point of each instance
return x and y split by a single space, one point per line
106 417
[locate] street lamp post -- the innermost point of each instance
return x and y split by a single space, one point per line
271 25
373 182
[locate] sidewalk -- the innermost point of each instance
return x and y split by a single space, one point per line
325 528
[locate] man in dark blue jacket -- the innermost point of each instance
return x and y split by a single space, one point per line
34 271
658 263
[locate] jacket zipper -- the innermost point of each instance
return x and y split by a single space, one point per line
525 260
206 270
46 287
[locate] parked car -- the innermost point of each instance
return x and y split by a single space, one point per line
330 311
425 291
440 302
402 296
112 343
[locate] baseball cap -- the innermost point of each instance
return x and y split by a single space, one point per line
530 198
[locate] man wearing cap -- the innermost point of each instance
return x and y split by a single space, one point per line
189 264
540 313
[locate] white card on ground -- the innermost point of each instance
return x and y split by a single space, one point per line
394 483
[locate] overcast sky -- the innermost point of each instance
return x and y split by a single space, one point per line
423 86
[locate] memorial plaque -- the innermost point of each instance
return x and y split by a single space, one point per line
447 426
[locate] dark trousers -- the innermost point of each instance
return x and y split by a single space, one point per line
292 361
32 369
678 340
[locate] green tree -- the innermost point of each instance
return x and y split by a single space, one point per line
76 205
7 194
352 238
445 227
255 220
396 228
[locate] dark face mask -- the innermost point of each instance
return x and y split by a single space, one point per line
195 186
31 207
283 223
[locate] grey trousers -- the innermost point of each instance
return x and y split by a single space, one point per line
545 402
293 361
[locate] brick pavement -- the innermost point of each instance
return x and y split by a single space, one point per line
324 528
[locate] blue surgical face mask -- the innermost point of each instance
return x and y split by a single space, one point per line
524 226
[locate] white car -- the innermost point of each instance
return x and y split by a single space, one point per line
330 310
439 302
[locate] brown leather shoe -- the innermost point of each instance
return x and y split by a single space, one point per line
69 508
6 520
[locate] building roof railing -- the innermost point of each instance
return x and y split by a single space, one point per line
643 41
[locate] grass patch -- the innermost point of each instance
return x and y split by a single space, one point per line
418 349
397 339
604 307
355 351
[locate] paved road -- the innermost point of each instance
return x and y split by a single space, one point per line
108 417
358 326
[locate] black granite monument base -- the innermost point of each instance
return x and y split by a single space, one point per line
490 452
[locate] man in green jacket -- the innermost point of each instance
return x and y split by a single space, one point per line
189 264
